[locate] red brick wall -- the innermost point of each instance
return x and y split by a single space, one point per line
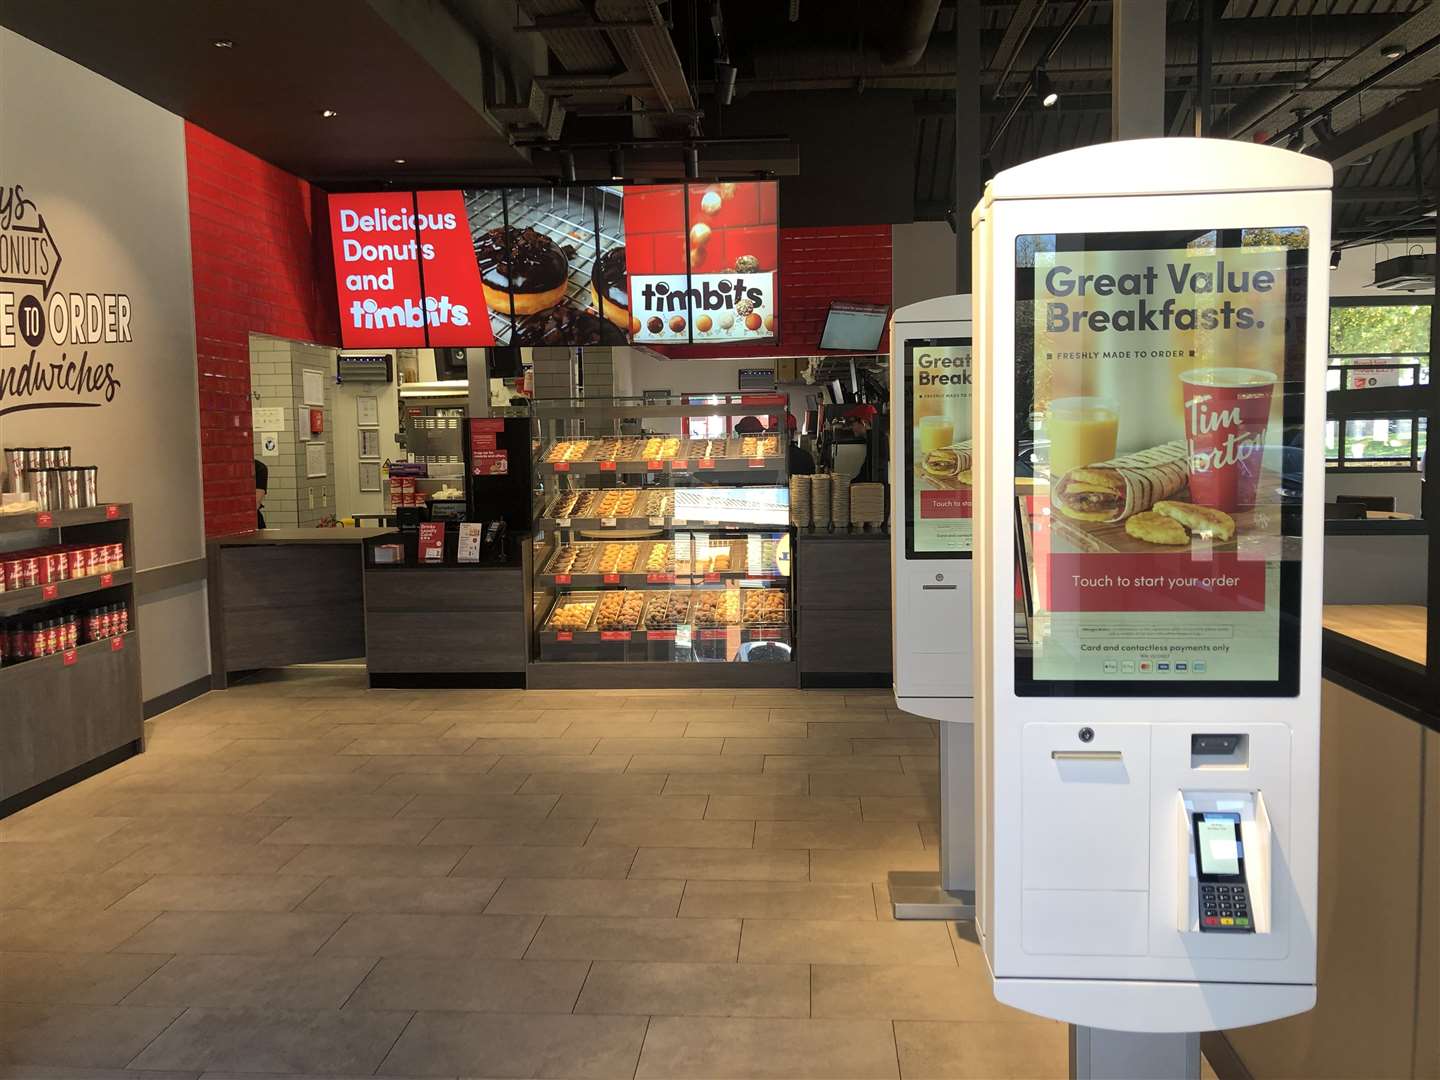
260 253
817 265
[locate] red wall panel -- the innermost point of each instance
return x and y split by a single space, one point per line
260 256
817 265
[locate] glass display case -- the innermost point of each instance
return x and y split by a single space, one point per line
655 544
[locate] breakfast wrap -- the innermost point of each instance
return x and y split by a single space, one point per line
949 462
1111 491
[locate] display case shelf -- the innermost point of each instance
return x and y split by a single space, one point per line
67 658
64 519
18 601
697 466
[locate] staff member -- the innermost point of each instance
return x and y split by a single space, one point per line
800 462
262 485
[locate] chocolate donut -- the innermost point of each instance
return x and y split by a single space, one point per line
610 288
568 326
529 263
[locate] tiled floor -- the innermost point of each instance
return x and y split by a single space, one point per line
302 876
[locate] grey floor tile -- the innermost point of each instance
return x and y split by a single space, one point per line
713 940
331 804
513 860
72 978
482 833
403 831
395 764
826 763
180 783
806 745
450 984
44 891
558 763
774 784
900 807
647 807
672 989
241 933
244 829
500 726
403 895
346 783
453 783
843 727
777 900
253 982
565 746
796 941
275 1040
53 830
208 859
974 1051
868 865
694 710
746 729
373 860
871 783
577 783
838 835
680 745
62 857
186 805
720 864
81 1036
410 746
771 1049
709 764
699 834
480 1044
493 807
219 892
69 931
495 936
294 764
783 808
914 992
551 896
928 747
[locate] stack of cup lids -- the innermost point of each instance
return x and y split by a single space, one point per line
867 504
800 501
820 500
840 501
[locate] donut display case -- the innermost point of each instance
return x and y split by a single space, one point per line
661 533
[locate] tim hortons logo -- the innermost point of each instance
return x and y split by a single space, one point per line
36 319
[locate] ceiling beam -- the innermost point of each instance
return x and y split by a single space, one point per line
1410 114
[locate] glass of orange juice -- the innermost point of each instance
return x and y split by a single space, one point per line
935 432
1083 430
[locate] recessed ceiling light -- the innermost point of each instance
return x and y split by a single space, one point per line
1045 89
223 43
399 161
328 113
1392 51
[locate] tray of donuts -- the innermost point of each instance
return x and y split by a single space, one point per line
611 562
610 508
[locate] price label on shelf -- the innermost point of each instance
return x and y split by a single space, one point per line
562 579
765 634
654 466
660 579
656 521
44 519
711 635
112 512
659 635
608 523
679 465
564 635
117 643
706 463
712 576
69 656
562 466
607 466
611 579
106 580
49 592
756 463
562 523
614 635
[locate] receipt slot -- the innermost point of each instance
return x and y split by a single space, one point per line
932 457
1150 320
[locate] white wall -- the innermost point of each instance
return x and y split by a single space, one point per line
637 371
922 261
106 170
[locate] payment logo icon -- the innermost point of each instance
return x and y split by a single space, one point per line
1111 667
1162 666
1181 666
1198 665
1145 665
1128 667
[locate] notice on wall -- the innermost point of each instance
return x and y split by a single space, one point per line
268 419
1158 371
367 411
269 443
312 387
315 464
939 460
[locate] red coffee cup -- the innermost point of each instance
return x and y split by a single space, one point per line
1227 410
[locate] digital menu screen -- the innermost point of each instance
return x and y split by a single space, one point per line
1159 422
567 266
938 454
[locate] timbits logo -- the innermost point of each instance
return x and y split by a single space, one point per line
36 319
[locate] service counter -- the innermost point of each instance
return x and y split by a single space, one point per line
285 596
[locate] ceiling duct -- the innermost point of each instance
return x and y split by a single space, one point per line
1406 273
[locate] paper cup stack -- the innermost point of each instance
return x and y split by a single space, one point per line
840 501
867 504
820 499
800 501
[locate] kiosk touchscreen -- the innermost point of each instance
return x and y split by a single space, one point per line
1151 386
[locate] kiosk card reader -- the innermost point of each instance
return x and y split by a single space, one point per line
1150 325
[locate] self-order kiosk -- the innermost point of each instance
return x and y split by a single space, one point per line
930 544
1151 324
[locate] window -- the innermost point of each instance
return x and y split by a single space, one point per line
1379 367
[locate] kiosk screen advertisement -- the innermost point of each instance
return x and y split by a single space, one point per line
557 266
938 461
1159 433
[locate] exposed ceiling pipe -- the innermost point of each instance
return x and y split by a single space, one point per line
913 26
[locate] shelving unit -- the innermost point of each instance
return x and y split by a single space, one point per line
65 711
717 551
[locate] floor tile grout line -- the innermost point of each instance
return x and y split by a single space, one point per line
151 1042
589 967
643 1038
398 1036
356 988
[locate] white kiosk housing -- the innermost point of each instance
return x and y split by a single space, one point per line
931 538
1151 327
